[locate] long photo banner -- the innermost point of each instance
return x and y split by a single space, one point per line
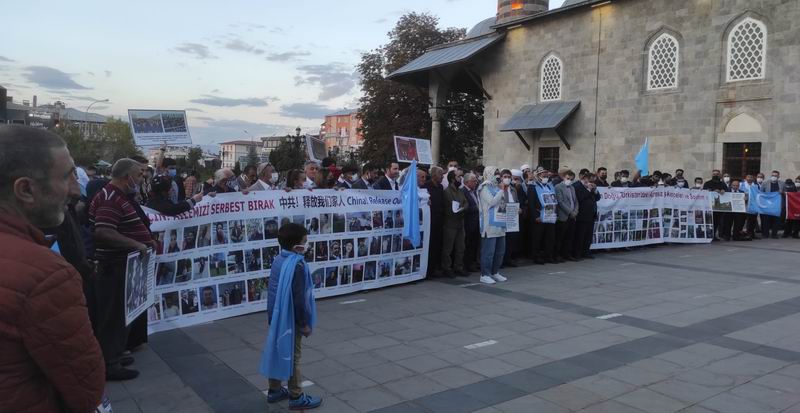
213 262
629 217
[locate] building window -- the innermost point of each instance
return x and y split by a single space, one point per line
548 159
740 159
552 71
662 63
747 51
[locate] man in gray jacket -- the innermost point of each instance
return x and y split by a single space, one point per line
567 210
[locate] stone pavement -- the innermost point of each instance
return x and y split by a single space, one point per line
708 328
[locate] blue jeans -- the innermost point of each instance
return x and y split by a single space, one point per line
492 251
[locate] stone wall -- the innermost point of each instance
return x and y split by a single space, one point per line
686 126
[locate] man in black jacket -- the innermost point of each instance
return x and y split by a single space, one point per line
587 196
436 191
472 230
160 200
716 184
389 180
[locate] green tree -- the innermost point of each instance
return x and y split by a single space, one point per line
288 155
194 157
116 141
391 108
252 156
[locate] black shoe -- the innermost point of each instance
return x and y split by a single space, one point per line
462 273
126 361
118 373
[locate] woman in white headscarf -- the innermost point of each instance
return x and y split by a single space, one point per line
492 200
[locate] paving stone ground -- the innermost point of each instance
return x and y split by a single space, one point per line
692 328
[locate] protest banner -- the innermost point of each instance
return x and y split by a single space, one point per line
316 148
512 217
793 206
215 260
139 284
159 127
630 217
727 202
413 149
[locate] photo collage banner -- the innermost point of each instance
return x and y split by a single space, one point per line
214 261
629 217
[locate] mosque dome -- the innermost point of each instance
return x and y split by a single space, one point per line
482 28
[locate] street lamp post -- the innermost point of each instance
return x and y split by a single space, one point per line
86 114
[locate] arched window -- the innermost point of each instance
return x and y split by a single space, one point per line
551 74
662 63
747 51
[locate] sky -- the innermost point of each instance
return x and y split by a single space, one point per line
240 68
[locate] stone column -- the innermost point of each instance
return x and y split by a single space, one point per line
437 115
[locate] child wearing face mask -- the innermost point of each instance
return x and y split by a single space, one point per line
292 314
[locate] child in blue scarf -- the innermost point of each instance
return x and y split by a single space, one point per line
292 314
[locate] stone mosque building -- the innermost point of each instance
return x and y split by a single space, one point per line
711 83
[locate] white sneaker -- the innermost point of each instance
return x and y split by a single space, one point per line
499 278
487 279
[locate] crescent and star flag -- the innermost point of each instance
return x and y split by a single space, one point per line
410 199
643 159
764 203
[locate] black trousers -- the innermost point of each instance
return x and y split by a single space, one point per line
543 241
739 220
726 227
472 246
109 293
565 238
512 245
435 247
751 222
770 225
718 218
583 238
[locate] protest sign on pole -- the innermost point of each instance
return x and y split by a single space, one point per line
630 217
139 284
215 260
316 148
727 202
159 127
413 149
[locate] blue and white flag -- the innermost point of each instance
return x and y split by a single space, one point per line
643 159
764 203
410 197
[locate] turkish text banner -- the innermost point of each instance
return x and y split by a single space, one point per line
629 217
214 261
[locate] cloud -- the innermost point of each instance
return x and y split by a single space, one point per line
107 72
381 20
212 100
5 59
242 46
228 129
203 118
333 79
198 50
287 56
48 77
194 110
305 110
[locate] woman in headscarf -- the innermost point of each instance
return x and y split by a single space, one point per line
492 200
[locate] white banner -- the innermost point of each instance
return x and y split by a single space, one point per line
139 284
215 260
727 202
159 127
629 217
413 149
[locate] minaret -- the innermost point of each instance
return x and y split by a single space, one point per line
508 10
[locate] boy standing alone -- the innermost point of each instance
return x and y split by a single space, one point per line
292 314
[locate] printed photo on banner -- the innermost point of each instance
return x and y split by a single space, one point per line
413 149
727 202
316 148
139 284
216 264
159 127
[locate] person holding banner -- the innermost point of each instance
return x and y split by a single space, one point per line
770 223
310 169
267 178
492 203
543 206
160 199
587 196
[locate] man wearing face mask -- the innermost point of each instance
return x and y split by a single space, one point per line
169 167
698 183
224 182
751 220
119 228
587 196
453 235
543 218
602 177
567 212
769 223
267 178
679 181
472 231
436 191
364 181
514 240
345 180
623 181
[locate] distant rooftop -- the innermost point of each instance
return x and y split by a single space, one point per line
343 112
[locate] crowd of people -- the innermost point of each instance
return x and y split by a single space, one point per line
68 330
